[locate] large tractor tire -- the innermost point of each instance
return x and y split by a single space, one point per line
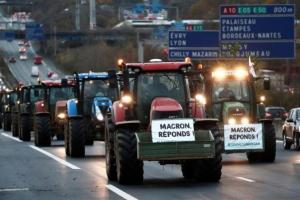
270 146
76 137
187 169
42 130
129 168
14 125
286 143
24 128
7 122
209 170
66 137
89 139
110 157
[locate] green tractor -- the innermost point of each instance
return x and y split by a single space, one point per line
233 100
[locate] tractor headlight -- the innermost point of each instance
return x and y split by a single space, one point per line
61 115
231 121
99 116
245 120
126 99
200 98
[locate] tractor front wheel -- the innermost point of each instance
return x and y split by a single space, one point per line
42 131
24 128
129 168
76 137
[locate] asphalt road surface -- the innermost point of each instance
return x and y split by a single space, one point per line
28 172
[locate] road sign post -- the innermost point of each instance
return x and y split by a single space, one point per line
261 31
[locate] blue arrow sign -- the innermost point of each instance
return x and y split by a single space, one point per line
194 44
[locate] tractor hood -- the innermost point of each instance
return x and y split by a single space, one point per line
165 108
100 106
236 110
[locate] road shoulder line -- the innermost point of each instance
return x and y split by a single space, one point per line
120 192
61 161
245 179
11 137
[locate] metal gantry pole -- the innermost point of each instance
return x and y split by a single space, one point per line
92 15
77 15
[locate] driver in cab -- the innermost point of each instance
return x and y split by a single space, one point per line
226 93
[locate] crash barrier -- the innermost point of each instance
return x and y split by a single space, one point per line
277 122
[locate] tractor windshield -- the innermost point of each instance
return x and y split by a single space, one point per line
36 94
152 85
228 93
61 93
101 88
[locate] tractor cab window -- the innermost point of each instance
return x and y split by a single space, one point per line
227 94
25 95
13 97
152 85
231 90
36 94
100 88
61 93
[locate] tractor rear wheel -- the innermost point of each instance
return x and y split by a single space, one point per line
42 131
206 169
7 122
14 125
76 137
24 128
89 140
187 169
269 153
129 168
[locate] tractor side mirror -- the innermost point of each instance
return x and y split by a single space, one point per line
267 84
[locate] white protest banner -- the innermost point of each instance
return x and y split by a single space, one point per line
172 130
243 136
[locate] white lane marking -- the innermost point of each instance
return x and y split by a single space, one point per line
11 137
279 141
14 189
245 179
120 192
55 157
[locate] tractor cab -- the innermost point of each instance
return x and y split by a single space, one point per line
232 98
93 91
161 90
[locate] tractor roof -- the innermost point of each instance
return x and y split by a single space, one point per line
94 75
159 66
56 83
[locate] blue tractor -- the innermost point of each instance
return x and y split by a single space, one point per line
94 93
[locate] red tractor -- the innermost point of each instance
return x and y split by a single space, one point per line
50 112
160 117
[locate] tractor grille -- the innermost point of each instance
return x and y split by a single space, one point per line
167 114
